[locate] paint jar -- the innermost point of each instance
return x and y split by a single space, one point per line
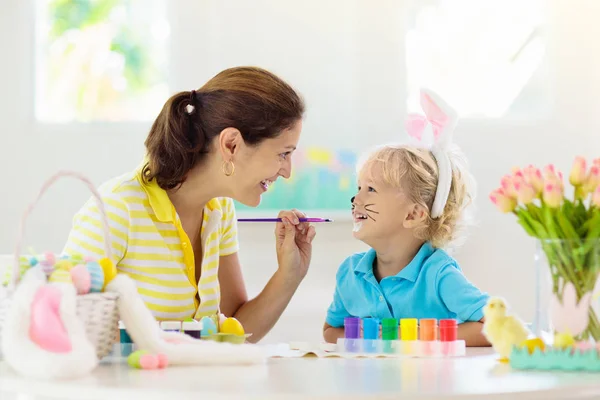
389 334
428 329
123 335
171 326
370 328
352 328
192 328
448 330
409 329
126 345
371 335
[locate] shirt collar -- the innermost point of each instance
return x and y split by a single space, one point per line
160 202
410 272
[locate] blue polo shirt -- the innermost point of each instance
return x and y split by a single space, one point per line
430 286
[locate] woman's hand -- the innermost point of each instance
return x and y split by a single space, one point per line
294 244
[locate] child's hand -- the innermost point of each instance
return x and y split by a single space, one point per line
294 244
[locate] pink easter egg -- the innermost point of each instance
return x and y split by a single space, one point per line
149 361
49 258
163 361
87 259
81 279
47 268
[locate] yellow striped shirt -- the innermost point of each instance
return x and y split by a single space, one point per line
149 244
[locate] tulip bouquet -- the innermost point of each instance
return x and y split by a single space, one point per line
568 230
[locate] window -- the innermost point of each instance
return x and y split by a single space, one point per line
485 57
100 60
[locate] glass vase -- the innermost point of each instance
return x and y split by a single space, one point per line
566 289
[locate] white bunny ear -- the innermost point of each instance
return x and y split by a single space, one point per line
442 117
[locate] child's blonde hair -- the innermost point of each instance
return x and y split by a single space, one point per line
414 170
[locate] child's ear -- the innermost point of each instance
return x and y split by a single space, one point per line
416 216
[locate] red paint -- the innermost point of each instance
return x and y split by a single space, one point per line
448 330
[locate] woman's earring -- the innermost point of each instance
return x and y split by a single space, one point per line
227 170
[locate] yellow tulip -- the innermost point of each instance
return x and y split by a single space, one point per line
504 202
525 192
553 195
534 177
593 180
596 197
578 171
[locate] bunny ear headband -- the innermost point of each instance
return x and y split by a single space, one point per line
433 131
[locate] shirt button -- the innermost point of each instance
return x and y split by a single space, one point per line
184 244
380 298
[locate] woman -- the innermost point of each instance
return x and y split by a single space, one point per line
172 221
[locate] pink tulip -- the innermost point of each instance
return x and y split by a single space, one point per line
553 195
592 181
552 175
596 197
507 183
534 177
525 191
578 171
504 202
596 162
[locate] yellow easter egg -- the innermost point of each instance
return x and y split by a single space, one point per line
109 268
532 344
61 276
232 326
63 264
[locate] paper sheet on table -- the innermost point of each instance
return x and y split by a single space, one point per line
297 350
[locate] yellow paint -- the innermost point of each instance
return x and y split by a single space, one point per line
408 329
319 156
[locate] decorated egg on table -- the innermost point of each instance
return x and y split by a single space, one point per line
61 276
209 327
97 276
47 258
76 258
232 326
63 264
82 278
108 268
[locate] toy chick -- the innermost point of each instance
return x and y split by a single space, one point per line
501 330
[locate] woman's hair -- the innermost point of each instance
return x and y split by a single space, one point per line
254 101
415 172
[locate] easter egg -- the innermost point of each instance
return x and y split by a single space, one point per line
163 361
108 268
232 326
81 279
148 361
134 358
48 259
33 261
208 327
63 264
61 276
97 276
76 258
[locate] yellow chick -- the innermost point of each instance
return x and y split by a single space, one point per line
501 330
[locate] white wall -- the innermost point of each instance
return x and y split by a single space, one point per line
498 256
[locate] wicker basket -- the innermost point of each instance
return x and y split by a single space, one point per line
98 311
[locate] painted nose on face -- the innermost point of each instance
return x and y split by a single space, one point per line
355 200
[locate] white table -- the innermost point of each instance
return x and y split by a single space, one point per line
476 376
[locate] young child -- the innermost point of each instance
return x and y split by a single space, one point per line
410 204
